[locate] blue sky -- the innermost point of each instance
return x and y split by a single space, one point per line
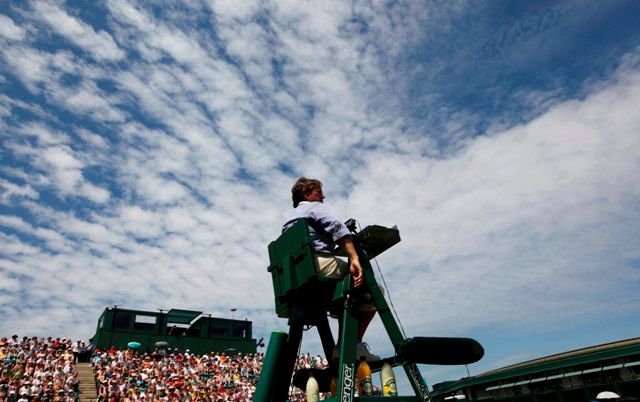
148 152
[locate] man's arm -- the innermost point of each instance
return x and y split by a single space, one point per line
354 262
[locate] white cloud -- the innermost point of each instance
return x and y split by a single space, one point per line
14 248
44 135
179 220
229 9
94 140
30 65
66 168
94 193
89 99
99 44
58 163
9 29
176 44
54 241
124 10
9 190
140 222
531 211
45 72
61 158
157 189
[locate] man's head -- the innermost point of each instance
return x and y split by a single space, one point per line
306 190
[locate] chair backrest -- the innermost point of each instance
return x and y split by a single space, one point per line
292 265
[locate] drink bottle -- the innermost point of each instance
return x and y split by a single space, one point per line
313 390
365 386
388 381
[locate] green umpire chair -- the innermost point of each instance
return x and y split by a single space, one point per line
305 299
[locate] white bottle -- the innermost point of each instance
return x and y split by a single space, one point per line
388 381
313 390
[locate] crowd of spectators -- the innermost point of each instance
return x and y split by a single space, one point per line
37 369
125 375
306 361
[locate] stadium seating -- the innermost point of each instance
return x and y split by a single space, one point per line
38 369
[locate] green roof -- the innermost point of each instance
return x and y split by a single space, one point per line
558 361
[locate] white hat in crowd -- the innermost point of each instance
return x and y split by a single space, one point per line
607 395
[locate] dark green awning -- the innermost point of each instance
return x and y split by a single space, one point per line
182 316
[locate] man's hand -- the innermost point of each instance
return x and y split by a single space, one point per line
356 271
354 262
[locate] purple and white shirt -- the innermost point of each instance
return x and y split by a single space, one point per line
322 222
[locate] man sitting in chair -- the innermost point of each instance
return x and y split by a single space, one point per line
308 199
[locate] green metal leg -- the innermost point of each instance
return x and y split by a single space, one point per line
273 360
283 377
347 368
326 337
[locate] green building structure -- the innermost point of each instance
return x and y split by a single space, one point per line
177 329
574 376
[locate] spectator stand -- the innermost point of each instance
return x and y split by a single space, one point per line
175 376
38 369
